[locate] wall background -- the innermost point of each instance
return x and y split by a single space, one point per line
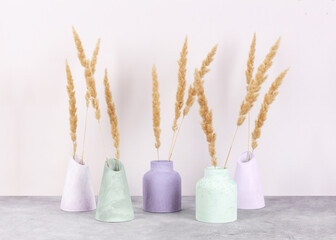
296 149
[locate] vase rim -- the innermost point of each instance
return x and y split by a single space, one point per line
243 158
218 171
162 164
217 168
113 161
77 161
162 161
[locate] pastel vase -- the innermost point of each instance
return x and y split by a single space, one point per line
162 188
114 200
250 194
78 194
216 197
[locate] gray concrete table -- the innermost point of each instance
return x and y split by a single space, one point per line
283 218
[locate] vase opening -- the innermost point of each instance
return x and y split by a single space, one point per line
162 164
78 160
215 171
246 157
113 165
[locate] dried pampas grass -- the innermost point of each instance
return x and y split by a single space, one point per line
203 70
206 115
181 83
94 57
111 111
72 108
268 100
192 93
255 84
79 46
190 100
249 75
250 62
91 87
180 91
156 109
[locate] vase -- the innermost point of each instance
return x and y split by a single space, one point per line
216 197
78 194
162 188
250 194
114 200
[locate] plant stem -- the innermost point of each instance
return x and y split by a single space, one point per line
178 131
157 150
227 157
87 108
171 145
101 133
248 137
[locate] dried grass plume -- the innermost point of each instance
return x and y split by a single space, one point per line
91 87
111 111
250 61
72 107
156 108
203 70
181 83
94 57
255 84
206 115
268 100
79 46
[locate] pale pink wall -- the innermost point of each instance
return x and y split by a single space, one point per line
296 149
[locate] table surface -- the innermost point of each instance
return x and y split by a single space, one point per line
282 218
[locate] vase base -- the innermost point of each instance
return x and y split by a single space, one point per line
115 220
162 211
251 207
77 210
216 221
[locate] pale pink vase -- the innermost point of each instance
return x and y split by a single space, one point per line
78 194
249 190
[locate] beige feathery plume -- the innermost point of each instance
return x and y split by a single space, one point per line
268 100
190 100
250 61
94 57
87 98
206 115
72 107
249 74
206 62
91 87
156 109
79 46
111 111
255 84
203 70
181 83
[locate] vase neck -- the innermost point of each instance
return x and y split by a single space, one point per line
218 171
162 165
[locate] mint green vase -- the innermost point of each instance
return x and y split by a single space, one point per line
216 197
114 200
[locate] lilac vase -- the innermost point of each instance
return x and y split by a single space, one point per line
162 188
78 194
249 190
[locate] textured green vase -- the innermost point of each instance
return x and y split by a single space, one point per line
114 200
216 197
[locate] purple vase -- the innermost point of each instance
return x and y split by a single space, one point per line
162 188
